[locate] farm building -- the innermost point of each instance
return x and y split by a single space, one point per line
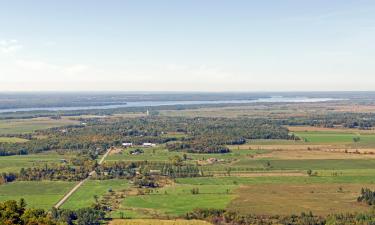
148 145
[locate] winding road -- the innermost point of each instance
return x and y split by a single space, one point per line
77 186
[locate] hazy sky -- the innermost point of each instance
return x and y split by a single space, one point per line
187 45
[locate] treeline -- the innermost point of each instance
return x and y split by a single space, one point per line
347 120
224 217
200 135
16 213
116 170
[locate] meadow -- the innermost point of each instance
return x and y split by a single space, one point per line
16 162
12 140
38 194
84 197
177 200
21 126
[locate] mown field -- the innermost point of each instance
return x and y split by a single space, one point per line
12 140
21 126
16 162
84 197
38 194
288 199
177 200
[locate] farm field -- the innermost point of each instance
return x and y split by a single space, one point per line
84 197
178 200
38 194
16 162
21 126
287 199
12 140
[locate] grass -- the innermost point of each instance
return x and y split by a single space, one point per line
178 200
16 162
38 194
162 154
329 179
287 199
84 197
21 126
12 140
305 164
157 222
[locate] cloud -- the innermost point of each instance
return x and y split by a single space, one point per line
9 46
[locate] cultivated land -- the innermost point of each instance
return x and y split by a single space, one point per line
21 126
38 194
16 162
84 197
259 177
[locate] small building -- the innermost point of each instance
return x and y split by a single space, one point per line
127 144
148 145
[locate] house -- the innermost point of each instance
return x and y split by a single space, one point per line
127 144
148 145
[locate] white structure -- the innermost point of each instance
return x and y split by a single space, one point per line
127 144
148 145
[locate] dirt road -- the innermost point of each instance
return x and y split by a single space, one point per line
77 186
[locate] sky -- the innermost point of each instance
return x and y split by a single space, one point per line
190 45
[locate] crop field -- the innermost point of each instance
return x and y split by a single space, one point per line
20 126
16 162
160 153
38 194
84 197
287 199
178 200
12 140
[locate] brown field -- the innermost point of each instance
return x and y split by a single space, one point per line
158 222
319 154
285 199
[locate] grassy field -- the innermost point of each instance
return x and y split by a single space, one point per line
16 162
12 140
329 179
157 222
84 197
38 194
20 126
287 199
178 200
160 153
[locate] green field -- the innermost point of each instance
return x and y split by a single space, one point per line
178 200
162 154
16 162
20 126
355 179
84 197
12 140
339 137
38 194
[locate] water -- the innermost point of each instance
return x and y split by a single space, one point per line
171 103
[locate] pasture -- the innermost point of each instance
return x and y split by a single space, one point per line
84 197
178 199
287 199
21 126
38 194
12 140
16 162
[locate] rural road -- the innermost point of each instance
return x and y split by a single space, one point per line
75 188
